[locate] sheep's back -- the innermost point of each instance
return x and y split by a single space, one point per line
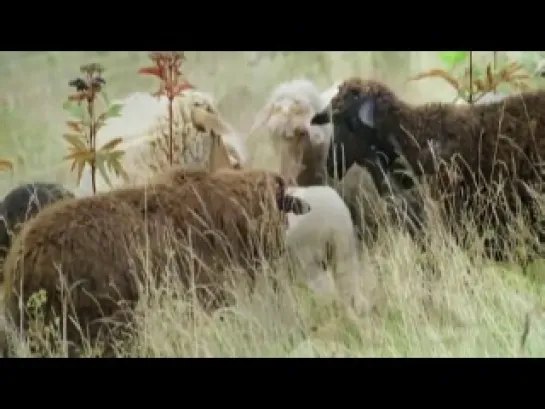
89 244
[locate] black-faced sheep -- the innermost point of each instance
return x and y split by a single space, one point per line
495 145
21 204
143 125
99 246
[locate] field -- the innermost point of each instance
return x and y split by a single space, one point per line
474 309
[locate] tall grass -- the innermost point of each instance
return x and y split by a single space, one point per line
472 308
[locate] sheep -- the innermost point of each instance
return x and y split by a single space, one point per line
144 123
93 245
494 144
326 234
303 153
286 116
21 204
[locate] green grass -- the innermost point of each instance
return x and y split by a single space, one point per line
473 309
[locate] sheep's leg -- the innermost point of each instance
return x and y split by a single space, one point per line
347 279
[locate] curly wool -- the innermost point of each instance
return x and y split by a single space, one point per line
496 146
103 247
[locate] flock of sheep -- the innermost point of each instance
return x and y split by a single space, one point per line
93 252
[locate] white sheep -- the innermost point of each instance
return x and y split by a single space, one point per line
143 125
326 234
286 117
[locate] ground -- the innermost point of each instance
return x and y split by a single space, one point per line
474 308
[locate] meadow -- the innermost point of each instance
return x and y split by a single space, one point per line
473 308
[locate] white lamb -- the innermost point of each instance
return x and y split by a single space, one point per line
326 235
143 124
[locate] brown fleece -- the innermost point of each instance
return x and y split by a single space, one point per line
511 131
502 142
96 242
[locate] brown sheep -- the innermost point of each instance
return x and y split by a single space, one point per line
94 244
493 144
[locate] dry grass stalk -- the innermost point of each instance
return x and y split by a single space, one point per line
472 88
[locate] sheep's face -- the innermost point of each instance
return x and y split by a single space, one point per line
292 134
285 118
207 120
356 139
291 155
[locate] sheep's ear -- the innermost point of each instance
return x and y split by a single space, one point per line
205 121
294 204
321 118
366 113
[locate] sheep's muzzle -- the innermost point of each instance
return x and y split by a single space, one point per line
293 204
288 203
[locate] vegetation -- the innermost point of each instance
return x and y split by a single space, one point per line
84 128
168 69
473 308
473 82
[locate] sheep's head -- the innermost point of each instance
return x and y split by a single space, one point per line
292 154
210 122
288 203
281 118
196 122
286 118
357 135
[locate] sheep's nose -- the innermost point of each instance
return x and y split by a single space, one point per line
300 131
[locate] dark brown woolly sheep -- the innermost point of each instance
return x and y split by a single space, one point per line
21 204
94 245
307 165
493 145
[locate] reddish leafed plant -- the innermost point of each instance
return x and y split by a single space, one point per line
168 68
85 124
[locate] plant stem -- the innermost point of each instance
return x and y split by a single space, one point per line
494 62
170 125
92 139
170 131
471 77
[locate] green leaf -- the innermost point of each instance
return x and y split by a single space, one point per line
75 109
100 162
452 58
76 140
108 146
113 111
80 166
